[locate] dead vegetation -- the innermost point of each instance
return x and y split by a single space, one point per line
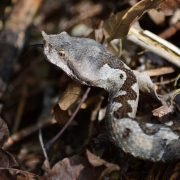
52 127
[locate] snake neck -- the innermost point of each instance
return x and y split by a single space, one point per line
155 142
124 102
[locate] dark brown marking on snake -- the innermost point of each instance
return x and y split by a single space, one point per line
130 95
126 133
149 130
50 48
127 87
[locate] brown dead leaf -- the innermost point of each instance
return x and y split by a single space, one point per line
4 132
96 161
117 26
6 159
60 116
158 17
70 96
11 173
79 168
162 111
72 168
68 99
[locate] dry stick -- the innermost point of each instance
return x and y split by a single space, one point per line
160 71
154 43
55 138
20 135
166 82
43 148
170 31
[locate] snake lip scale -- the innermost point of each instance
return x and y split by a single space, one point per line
91 64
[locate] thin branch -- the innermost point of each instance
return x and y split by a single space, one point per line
154 43
43 148
22 134
57 136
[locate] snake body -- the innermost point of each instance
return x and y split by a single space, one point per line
91 64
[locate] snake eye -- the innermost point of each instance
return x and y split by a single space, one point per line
62 53
121 76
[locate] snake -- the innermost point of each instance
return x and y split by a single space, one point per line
90 63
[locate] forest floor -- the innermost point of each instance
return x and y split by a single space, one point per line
53 127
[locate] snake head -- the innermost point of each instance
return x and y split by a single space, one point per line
77 57
83 59
68 53
55 49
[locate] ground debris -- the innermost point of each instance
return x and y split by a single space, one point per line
36 98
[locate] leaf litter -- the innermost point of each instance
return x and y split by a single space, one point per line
83 151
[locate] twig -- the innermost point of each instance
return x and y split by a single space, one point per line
160 71
166 82
170 31
154 43
57 136
20 135
43 149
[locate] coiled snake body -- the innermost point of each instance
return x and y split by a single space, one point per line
90 63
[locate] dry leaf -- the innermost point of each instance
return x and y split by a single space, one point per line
160 71
162 111
6 159
60 116
96 161
10 173
117 26
70 96
72 168
158 17
68 99
78 168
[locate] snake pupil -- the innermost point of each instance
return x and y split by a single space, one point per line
121 76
